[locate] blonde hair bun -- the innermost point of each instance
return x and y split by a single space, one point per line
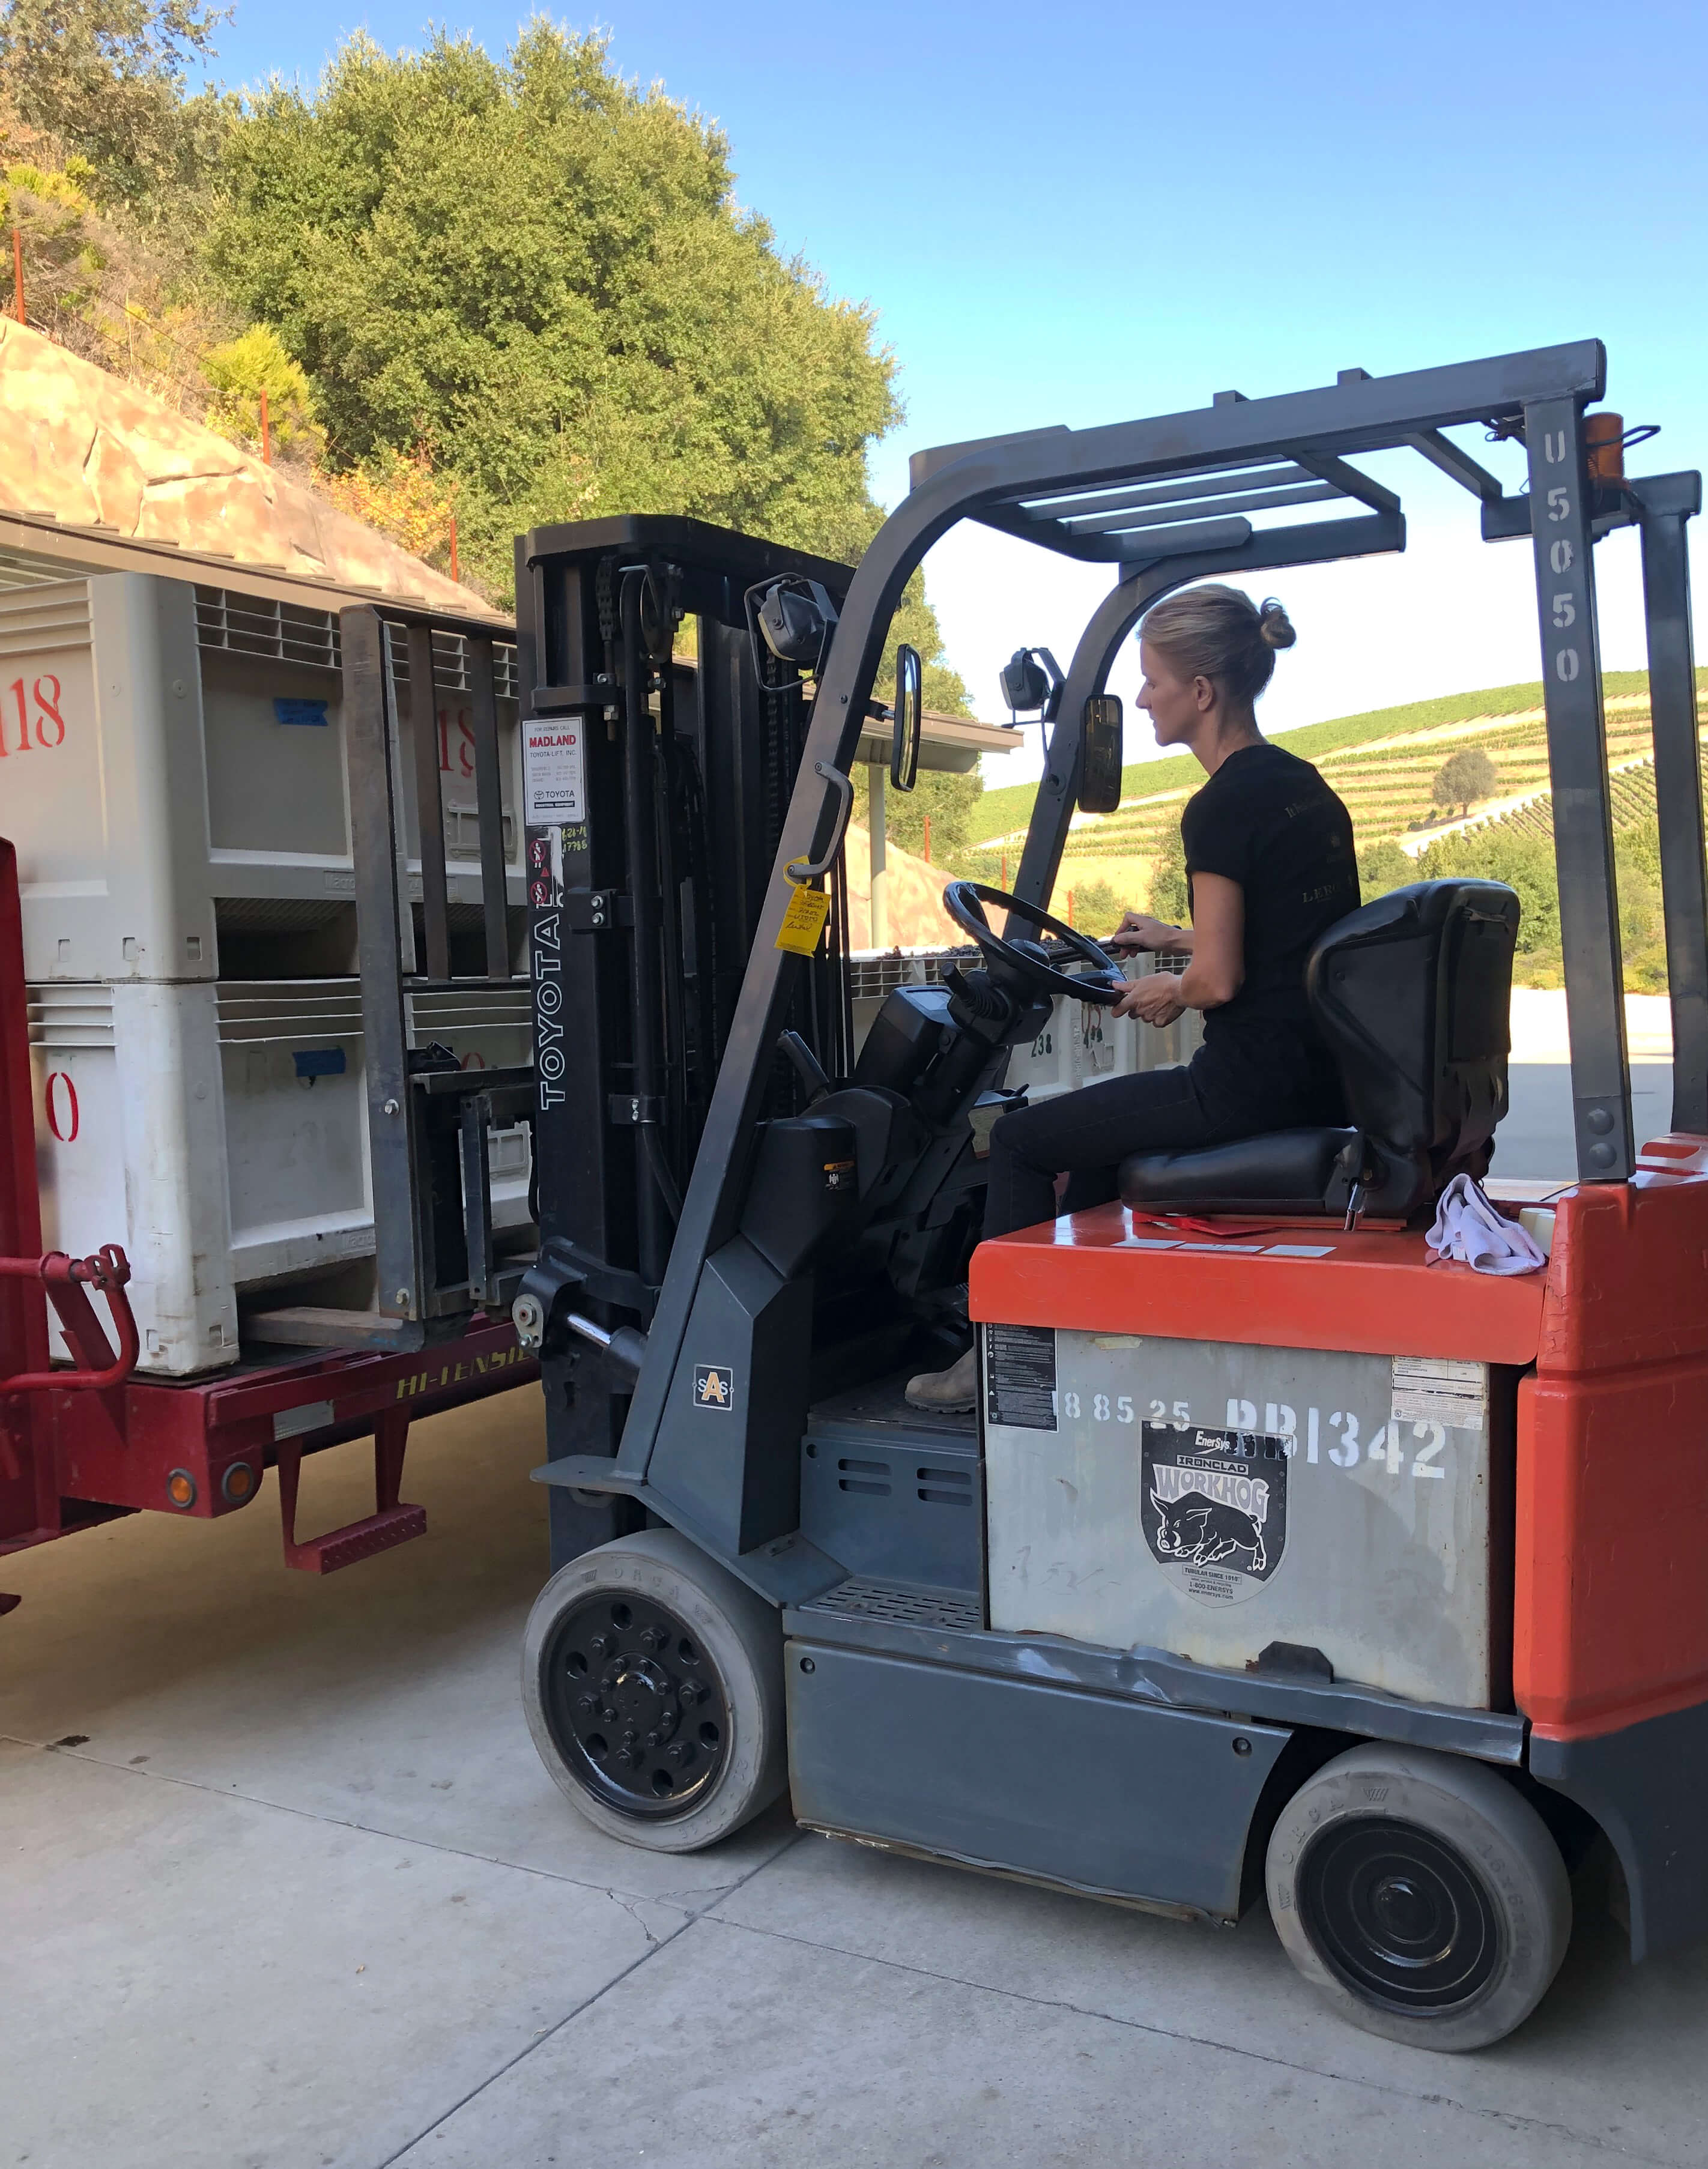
1217 632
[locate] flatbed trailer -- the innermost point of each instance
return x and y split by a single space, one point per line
88 1442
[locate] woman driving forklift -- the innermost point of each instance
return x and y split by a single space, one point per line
1270 865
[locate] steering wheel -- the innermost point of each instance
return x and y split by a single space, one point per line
964 901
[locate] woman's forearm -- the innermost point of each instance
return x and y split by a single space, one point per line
1202 986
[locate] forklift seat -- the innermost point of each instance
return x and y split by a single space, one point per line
1412 994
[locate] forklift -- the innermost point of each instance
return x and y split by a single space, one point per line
1279 1558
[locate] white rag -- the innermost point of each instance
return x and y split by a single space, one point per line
1468 1228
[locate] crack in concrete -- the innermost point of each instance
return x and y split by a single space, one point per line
1511 2119
570 2016
630 1906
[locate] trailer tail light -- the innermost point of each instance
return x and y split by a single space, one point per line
181 1489
237 1484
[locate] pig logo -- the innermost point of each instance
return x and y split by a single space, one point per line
1213 1509
1199 1531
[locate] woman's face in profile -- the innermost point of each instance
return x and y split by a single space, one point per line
1173 702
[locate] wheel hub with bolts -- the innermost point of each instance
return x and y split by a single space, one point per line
637 1707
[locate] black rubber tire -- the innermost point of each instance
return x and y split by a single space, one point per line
737 1631
1422 1896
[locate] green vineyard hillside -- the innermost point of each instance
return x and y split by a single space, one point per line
1385 766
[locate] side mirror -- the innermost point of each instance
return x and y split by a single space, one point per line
909 718
1100 754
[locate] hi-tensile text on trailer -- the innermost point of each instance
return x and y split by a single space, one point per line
1274 1558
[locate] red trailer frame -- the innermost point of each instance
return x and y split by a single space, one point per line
86 1443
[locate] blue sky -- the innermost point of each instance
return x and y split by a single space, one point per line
1078 213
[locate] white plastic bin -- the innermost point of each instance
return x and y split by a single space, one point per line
173 779
172 768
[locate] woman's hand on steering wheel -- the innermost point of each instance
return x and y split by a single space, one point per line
1154 999
1139 930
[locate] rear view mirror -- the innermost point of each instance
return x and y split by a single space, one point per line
909 718
1100 757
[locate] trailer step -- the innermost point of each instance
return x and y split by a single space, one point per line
391 1523
357 1540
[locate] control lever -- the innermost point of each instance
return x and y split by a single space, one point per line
806 1064
627 1347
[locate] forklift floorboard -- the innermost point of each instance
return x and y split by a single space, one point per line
885 1401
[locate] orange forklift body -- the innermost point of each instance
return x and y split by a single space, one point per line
1610 1622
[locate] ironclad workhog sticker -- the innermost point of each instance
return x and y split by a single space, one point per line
1213 1508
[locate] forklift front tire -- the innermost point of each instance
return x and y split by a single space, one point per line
653 1684
1422 1894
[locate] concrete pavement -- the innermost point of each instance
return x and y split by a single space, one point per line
301 1898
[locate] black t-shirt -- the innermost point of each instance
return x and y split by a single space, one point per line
1267 820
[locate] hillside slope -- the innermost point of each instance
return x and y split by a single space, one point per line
1385 764
1381 734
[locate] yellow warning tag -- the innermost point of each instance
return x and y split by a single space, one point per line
803 922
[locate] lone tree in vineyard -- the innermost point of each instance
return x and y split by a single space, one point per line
1463 776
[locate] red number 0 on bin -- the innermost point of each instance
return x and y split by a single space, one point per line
62 1096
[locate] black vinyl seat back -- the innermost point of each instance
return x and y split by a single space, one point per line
1412 994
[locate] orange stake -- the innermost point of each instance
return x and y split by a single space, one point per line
18 274
927 839
1070 908
266 433
455 574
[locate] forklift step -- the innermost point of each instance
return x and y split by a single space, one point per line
947 1611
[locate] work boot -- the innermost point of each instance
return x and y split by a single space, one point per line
947 1392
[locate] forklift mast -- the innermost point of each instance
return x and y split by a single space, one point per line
661 743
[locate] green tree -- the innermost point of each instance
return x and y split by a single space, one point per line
105 80
951 802
1170 895
1097 909
1464 776
239 371
1383 866
536 272
1524 861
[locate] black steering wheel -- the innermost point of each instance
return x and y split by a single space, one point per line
964 901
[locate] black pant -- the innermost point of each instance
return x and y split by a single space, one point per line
1089 1132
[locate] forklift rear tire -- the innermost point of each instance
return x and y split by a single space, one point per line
653 1683
1423 1895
